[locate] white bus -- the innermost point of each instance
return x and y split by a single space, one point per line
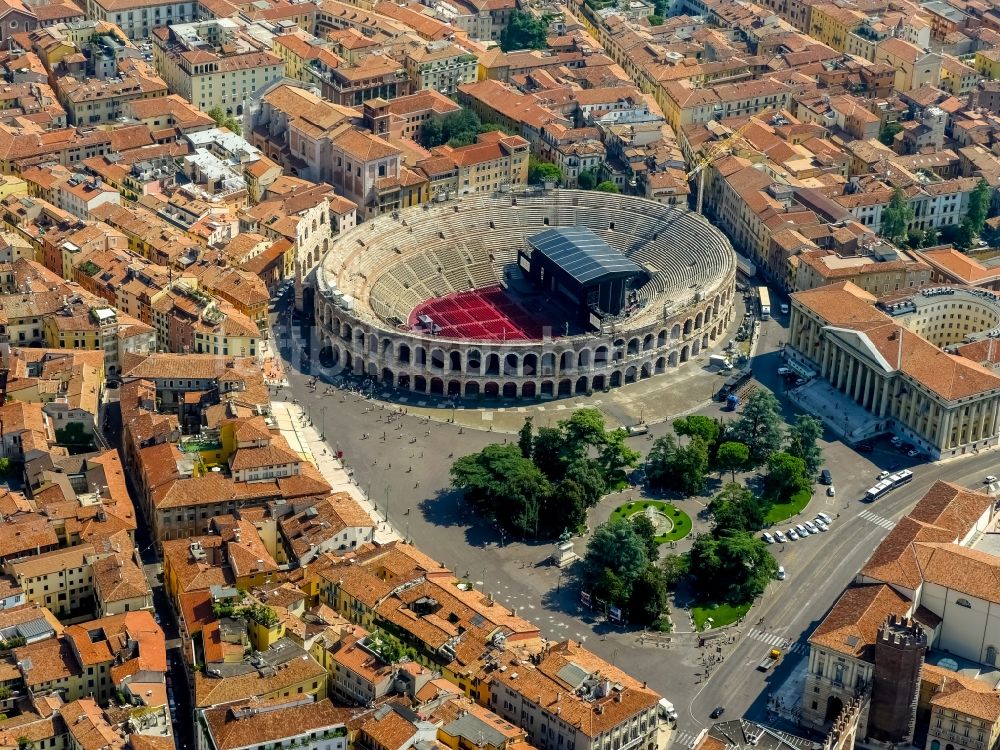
765 302
878 490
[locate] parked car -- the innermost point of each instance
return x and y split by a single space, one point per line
824 517
784 371
780 536
792 535
717 712
784 309
811 526
990 479
826 477
882 475
913 453
767 538
781 572
896 441
803 531
831 491
865 448
820 525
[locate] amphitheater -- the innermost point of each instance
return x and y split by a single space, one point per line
459 260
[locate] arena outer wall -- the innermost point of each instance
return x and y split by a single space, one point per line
690 302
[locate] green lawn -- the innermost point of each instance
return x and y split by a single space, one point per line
721 614
782 511
680 519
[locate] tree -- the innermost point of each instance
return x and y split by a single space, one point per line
567 508
896 216
525 438
649 596
979 207
654 20
736 509
431 132
225 121
697 425
658 461
614 456
646 531
735 568
615 546
587 179
803 441
675 568
607 187
732 456
931 237
524 31
888 133
759 426
459 128
589 478
608 586
584 430
547 452
542 171
689 466
504 486
786 475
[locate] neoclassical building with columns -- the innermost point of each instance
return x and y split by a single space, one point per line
896 358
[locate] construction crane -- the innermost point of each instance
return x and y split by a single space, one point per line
715 152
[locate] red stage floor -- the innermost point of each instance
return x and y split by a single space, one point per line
486 314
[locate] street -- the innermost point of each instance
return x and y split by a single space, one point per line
403 468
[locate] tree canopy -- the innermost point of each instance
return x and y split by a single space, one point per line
458 128
888 132
587 179
542 171
735 568
786 475
543 484
225 121
607 187
896 216
524 31
759 426
736 509
803 441
979 207
732 457
678 467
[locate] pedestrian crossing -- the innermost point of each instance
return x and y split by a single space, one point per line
876 519
683 740
773 639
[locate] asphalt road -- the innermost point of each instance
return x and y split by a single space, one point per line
406 474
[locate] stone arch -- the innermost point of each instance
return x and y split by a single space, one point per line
695 347
373 344
419 356
661 365
601 356
616 378
687 326
437 360
346 333
387 377
454 388
715 306
648 342
529 365
359 339
565 387
511 363
403 354
387 348
473 362
372 370
935 745
704 341
491 389
455 361
630 374
420 384
646 371
661 338
492 365
675 332
633 347
581 385
566 361
685 352
547 388
348 361
471 389
583 359
510 389
528 390
598 383
403 381
548 364
437 386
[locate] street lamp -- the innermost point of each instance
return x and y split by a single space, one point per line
322 427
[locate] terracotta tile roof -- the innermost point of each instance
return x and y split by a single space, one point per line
234 726
118 578
89 728
212 691
47 661
851 627
960 697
